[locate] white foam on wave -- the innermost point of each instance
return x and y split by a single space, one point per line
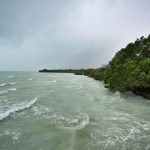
148 147
7 91
12 83
17 108
74 86
117 93
30 79
83 123
70 86
14 89
39 110
11 76
16 136
5 84
52 76
3 92
80 87
79 122
54 81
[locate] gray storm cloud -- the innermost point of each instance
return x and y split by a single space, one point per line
36 34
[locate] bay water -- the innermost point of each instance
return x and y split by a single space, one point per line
44 111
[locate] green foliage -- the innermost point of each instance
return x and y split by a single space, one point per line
129 70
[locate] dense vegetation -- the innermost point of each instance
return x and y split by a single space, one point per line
129 70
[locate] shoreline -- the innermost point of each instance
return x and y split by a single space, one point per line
79 72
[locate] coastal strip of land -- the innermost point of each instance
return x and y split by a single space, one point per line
129 69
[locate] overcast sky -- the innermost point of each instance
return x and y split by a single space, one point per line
54 34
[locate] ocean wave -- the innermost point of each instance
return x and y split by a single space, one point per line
78 122
52 76
80 87
30 79
7 91
15 136
74 86
6 84
117 93
17 108
54 81
12 83
3 85
11 76
39 110
70 86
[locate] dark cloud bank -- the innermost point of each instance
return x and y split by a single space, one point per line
36 34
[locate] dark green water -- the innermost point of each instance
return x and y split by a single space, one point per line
66 112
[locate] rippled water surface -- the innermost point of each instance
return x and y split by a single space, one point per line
41 111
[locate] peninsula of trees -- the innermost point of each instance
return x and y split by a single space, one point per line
129 70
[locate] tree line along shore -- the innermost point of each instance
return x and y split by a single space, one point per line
129 69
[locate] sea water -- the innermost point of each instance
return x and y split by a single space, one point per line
43 111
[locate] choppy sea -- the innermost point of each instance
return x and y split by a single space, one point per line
43 111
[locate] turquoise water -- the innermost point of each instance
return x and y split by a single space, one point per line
67 112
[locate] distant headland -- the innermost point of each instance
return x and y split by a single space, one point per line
60 70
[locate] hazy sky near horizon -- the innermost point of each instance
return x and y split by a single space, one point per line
54 34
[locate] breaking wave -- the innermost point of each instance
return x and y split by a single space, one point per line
52 76
17 108
6 84
7 91
11 76
78 122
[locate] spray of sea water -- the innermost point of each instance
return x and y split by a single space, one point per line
68 112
